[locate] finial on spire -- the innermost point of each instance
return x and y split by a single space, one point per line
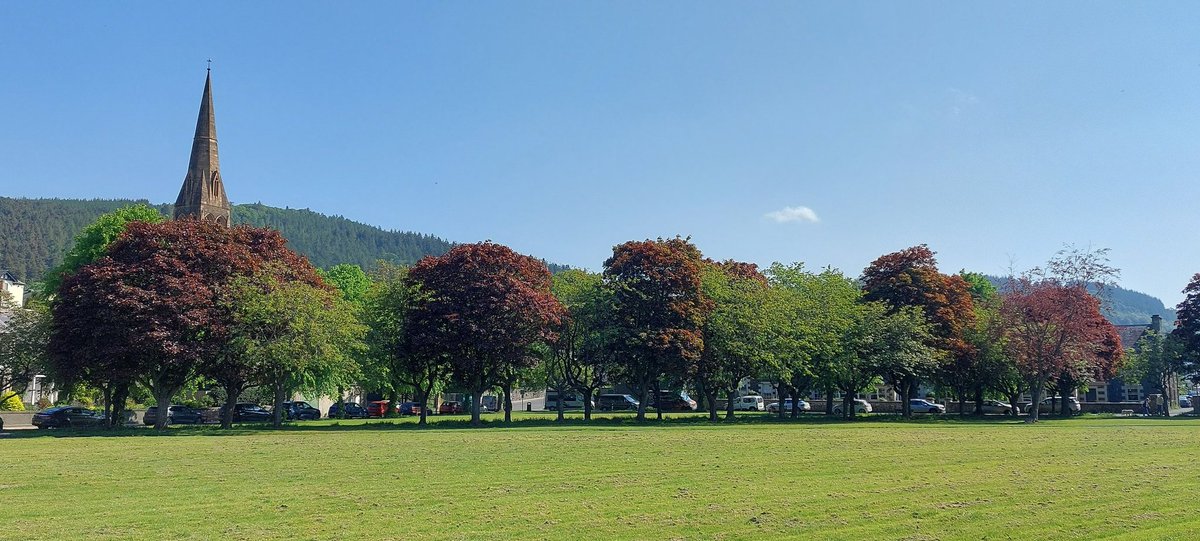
209 64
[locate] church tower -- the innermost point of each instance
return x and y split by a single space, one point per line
203 194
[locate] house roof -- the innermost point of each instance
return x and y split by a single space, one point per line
10 277
1131 333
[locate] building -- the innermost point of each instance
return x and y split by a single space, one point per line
202 195
13 287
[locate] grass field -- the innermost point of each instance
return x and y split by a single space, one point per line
681 479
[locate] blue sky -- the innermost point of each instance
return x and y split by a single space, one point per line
829 133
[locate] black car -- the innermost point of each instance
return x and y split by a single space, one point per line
353 411
177 415
250 413
68 417
674 401
300 411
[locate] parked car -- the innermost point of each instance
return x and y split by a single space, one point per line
246 412
1046 406
860 406
674 401
571 401
353 411
749 403
176 415
920 405
787 406
451 408
300 411
68 417
1185 401
380 408
410 408
616 402
996 406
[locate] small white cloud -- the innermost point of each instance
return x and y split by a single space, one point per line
793 214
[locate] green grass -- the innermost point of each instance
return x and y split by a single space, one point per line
682 479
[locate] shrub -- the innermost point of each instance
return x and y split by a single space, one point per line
12 403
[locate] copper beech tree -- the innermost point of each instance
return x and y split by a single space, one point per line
1054 328
910 277
152 308
658 311
484 308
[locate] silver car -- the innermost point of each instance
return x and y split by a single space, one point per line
998 407
860 406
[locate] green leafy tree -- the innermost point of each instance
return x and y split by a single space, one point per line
391 362
24 347
582 351
1158 358
93 241
816 311
738 330
349 279
297 336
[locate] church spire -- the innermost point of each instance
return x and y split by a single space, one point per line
203 193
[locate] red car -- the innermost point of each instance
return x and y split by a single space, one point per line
450 408
379 408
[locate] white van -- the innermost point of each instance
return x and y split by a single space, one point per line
571 401
749 403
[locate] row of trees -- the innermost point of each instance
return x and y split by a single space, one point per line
160 305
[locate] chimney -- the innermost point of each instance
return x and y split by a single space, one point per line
1156 323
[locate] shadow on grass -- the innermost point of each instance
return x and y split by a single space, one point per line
548 420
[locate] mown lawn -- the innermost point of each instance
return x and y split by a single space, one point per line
929 479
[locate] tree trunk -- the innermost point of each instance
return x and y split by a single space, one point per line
710 397
277 408
342 404
587 405
507 390
162 397
905 395
232 392
423 399
730 395
828 401
108 404
962 403
1036 393
847 405
978 400
119 394
1013 398
561 407
643 384
780 391
657 399
476 402
795 404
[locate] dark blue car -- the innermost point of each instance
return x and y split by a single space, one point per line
353 411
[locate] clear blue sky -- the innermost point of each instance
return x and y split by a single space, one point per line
995 133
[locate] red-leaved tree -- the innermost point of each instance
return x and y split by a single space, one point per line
1054 328
152 308
658 310
910 277
483 307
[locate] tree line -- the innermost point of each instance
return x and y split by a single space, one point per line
141 302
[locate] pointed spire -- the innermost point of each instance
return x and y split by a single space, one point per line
203 193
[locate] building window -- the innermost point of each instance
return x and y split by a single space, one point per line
1132 394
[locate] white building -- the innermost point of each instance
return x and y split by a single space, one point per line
14 287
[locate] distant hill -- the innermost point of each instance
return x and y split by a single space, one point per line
1125 306
35 234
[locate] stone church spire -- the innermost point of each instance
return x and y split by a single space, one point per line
203 193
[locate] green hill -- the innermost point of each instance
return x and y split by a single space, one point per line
1125 306
36 233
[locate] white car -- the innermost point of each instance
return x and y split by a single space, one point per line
787 406
749 403
860 406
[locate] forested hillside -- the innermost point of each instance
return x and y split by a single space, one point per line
36 233
1125 306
